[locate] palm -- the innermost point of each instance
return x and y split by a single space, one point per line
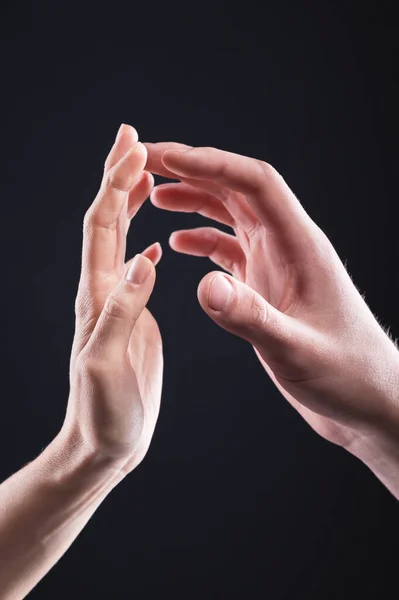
266 269
146 360
281 263
145 356
145 348
271 269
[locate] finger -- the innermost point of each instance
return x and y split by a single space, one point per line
239 309
126 137
155 152
183 197
267 193
223 249
139 193
137 196
241 212
153 252
122 309
235 203
102 227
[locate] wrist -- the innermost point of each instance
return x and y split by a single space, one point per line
70 461
380 453
376 443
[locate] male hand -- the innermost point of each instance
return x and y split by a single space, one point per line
287 292
116 362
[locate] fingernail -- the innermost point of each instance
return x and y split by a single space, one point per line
139 270
220 293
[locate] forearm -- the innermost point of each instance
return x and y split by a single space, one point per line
377 444
44 506
380 453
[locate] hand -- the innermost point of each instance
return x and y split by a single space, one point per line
116 363
288 292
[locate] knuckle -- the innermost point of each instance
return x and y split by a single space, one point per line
267 169
89 366
87 219
80 307
115 307
257 313
94 364
253 232
322 248
108 161
210 150
83 304
97 219
117 180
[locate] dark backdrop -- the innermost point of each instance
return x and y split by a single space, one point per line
237 497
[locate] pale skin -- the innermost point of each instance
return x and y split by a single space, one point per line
290 297
116 380
285 291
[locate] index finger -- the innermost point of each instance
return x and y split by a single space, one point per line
240 212
155 151
101 224
265 190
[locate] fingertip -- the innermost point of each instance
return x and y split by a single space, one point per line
169 155
128 170
148 261
216 291
126 129
136 151
154 197
135 133
204 284
172 238
154 253
146 180
150 182
135 159
139 270
159 254
139 148
120 130
157 249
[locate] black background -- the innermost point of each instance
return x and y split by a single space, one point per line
237 497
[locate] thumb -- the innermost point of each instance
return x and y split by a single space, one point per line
123 307
239 309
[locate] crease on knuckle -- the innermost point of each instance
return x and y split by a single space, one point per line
84 312
223 169
217 255
89 366
114 307
116 181
257 313
253 231
267 169
92 221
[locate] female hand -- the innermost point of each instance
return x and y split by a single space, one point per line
116 363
